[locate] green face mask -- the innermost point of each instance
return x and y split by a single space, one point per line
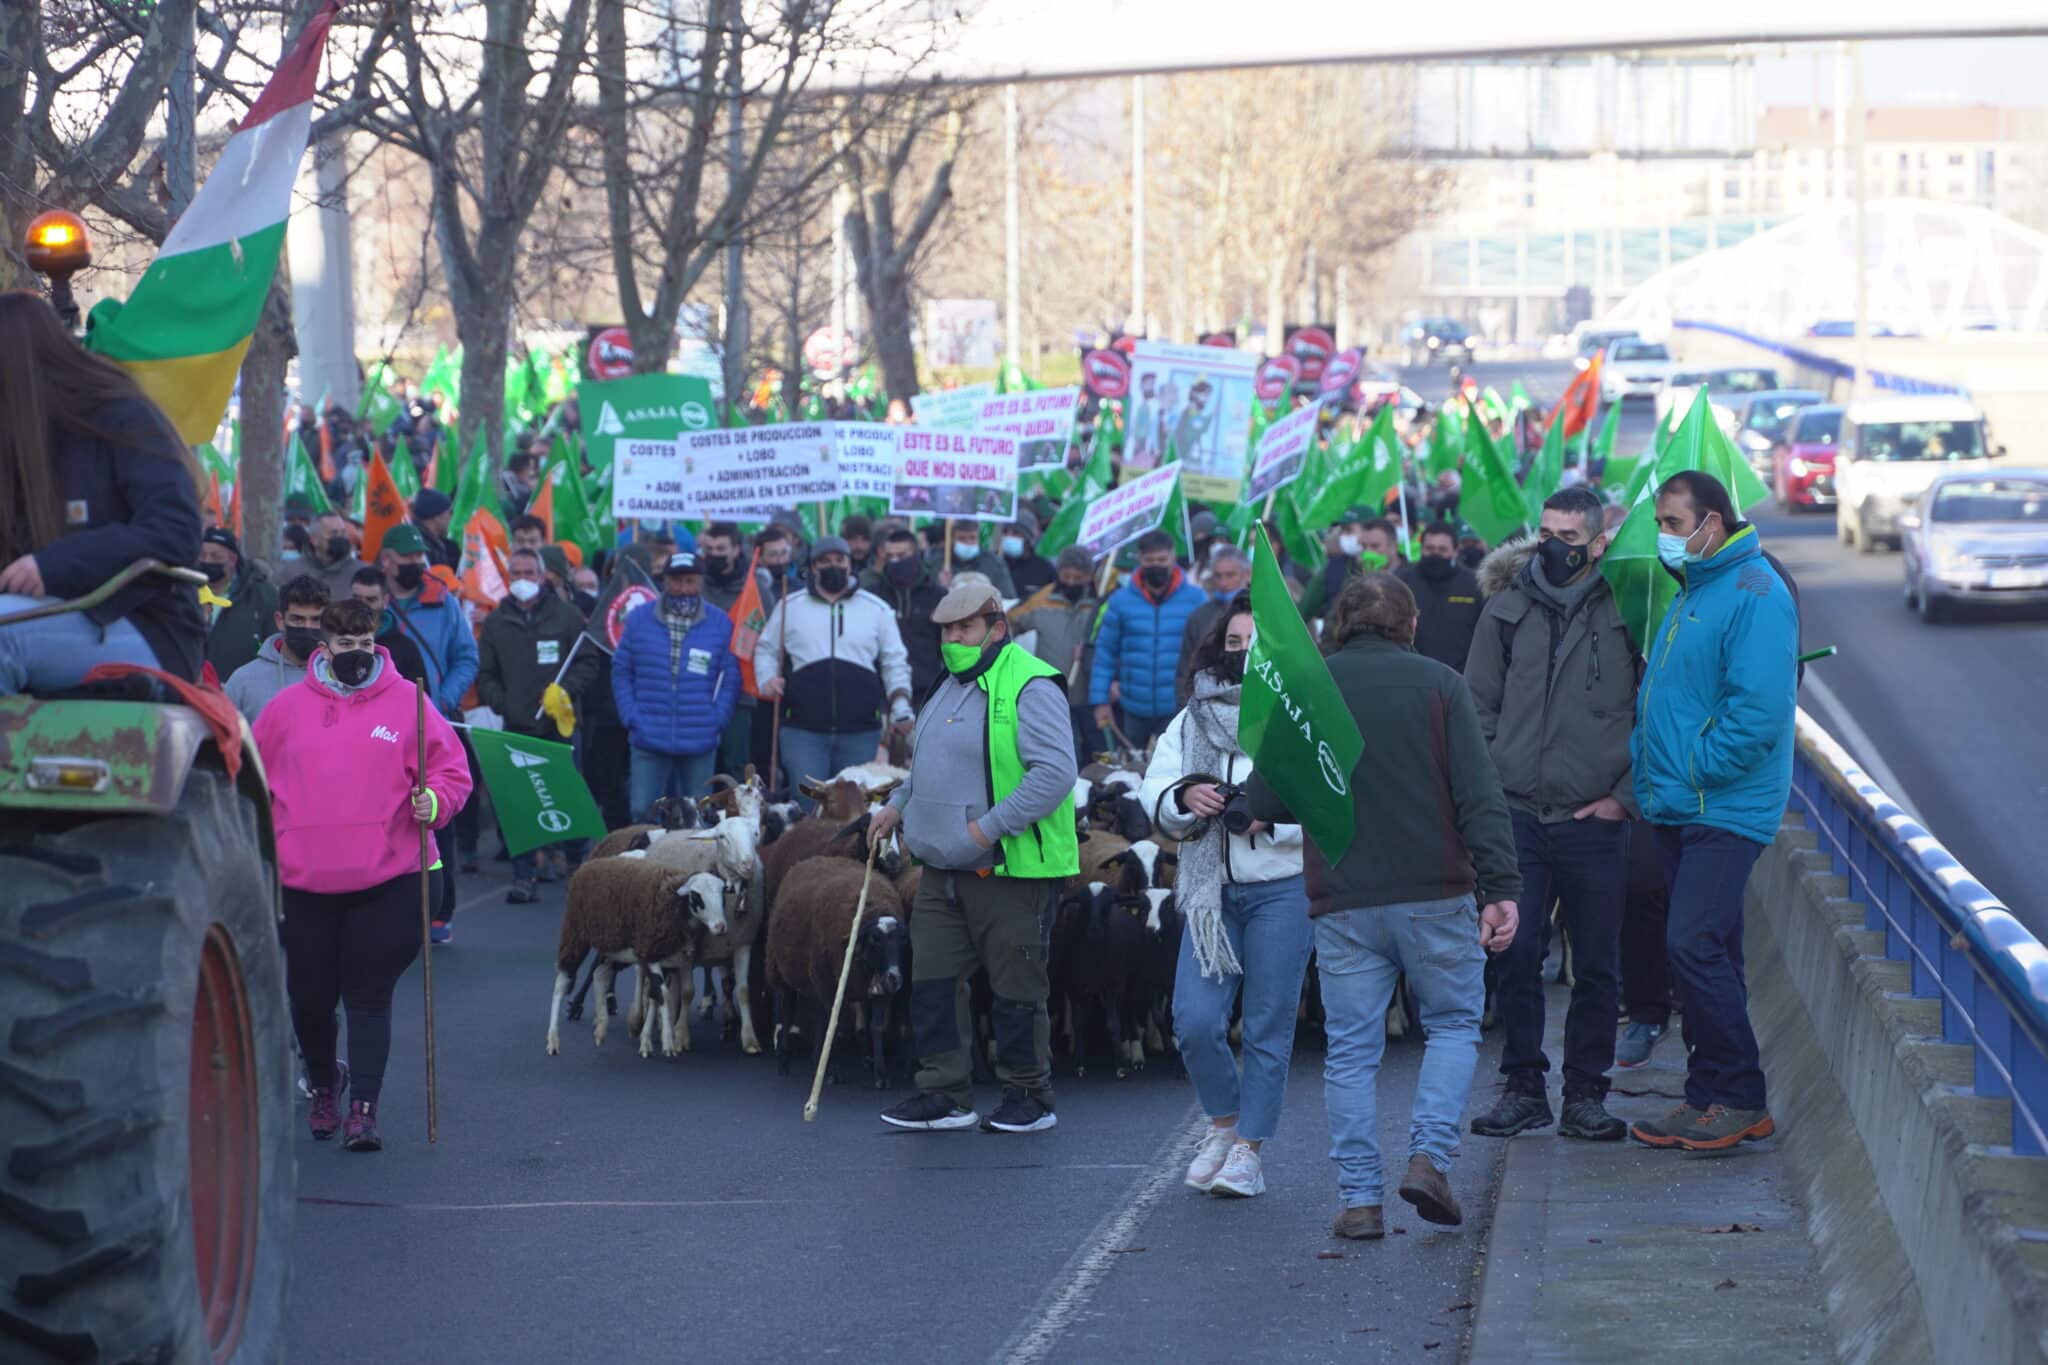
960 658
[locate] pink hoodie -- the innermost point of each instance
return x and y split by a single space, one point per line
342 770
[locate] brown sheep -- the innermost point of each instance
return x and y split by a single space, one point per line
670 814
1098 850
633 913
821 838
807 933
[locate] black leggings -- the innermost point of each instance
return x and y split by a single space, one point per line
349 949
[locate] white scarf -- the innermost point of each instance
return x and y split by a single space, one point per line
1208 739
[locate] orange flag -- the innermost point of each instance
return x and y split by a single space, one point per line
211 503
1581 400
748 616
543 506
383 508
484 545
234 504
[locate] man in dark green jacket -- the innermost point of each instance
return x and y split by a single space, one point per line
235 632
1432 845
520 654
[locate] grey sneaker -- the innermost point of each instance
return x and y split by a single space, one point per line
1721 1128
929 1113
1637 1042
1664 1132
1586 1117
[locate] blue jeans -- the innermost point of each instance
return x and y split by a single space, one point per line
1138 729
56 652
1360 954
1584 863
1708 869
815 755
1268 928
657 775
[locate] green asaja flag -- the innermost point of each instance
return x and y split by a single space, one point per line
1489 500
1603 448
535 788
302 478
1546 473
443 380
1292 720
478 486
1446 442
1361 475
574 520
405 474
380 405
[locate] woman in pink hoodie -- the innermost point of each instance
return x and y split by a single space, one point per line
341 748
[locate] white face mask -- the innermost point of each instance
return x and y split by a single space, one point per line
525 589
1349 546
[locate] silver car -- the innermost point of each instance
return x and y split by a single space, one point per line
1974 536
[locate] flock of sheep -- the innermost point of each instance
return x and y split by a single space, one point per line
756 894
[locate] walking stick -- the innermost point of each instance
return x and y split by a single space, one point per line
426 917
839 995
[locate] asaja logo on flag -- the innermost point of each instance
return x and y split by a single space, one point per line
537 793
554 821
608 423
521 759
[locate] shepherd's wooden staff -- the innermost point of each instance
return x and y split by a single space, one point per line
839 995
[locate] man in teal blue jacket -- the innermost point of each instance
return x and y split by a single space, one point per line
1713 769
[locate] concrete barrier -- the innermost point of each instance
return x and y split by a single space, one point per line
1932 1239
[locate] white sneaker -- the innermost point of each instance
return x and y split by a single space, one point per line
1209 1157
1242 1175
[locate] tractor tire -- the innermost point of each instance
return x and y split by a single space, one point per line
147 1195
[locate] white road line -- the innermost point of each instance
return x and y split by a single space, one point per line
1857 741
1068 1294
548 1204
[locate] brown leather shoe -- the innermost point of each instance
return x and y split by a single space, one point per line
1363 1223
1425 1187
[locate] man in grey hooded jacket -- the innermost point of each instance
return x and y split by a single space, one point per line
1553 675
281 660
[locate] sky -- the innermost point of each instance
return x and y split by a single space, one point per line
1940 71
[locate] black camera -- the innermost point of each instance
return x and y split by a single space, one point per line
1237 808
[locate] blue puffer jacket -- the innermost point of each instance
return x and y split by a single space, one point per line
1713 740
436 624
1138 646
680 711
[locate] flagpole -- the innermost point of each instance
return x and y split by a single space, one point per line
580 637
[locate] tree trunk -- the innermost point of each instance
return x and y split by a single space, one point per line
262 450
486 338
889 315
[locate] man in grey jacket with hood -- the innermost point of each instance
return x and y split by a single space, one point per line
281 660
1553 674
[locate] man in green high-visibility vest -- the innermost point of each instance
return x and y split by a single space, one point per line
988 809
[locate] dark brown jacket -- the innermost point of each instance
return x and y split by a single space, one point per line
1430 820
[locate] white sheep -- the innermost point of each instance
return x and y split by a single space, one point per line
728 850
633 912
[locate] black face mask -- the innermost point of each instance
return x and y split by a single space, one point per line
1436 568
832 579
1073 592
337 548
352 666
1471 557
903 573
1230 667
410 576
718 566
1561 562
215 571
301 641
1156 576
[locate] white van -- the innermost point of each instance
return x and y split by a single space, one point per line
1890 450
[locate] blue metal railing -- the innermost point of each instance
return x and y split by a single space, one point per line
1825 364
1963 946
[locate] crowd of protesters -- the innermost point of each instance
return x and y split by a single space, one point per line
1565 764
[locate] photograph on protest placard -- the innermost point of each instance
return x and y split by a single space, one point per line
969 475
1195 402
1042 420
1127 511
960 333
1283 453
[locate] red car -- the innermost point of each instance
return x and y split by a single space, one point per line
1804 471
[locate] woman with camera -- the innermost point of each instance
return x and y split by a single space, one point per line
1246 916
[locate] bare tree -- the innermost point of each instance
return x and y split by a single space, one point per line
486 112
909 151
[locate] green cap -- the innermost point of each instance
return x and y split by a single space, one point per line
405 539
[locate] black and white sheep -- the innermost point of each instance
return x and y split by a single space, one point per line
807 932
634 913
726 851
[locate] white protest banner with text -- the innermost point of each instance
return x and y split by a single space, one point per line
1196 402
1283 452
971 475
867 458
1042 420
953 409
1127 511
746 473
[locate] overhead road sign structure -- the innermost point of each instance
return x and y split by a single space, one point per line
996 41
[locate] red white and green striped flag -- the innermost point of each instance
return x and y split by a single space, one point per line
183 331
